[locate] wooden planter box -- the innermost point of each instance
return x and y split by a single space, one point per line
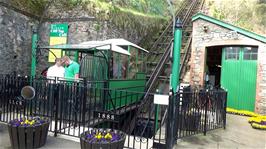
28 137
190 122
113 145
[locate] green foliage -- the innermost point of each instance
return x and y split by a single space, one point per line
125 18
33 6
158 7
248 14
142 16
261 13
37 7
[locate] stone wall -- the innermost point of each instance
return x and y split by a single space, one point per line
84 31
15 37
214 35
261 82
15 42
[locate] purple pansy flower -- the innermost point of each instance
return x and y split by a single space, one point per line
103 136
27 122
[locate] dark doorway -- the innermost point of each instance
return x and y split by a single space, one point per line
214 65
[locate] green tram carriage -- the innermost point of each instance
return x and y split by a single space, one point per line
113 64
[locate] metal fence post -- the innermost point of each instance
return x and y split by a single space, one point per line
177 116
206 110
169 125
225 105
56 89
84 99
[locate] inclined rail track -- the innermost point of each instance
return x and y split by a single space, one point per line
164 42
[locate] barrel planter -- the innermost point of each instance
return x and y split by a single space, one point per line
102 139
27 135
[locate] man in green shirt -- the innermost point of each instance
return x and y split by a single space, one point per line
72 68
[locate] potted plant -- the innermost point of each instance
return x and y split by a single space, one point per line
103 139
28 132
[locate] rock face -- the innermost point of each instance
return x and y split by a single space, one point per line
15 42
16 32
83 31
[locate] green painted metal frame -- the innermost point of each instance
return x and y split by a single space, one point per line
34 41
133 85
176 56
137 84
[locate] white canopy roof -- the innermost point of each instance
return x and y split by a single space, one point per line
87 47
110 44
123 42
117 42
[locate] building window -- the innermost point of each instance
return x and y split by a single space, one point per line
250 53
232 53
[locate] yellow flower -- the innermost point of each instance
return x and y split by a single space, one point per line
32 122
108 136
98 136
255 119
27 122
255 125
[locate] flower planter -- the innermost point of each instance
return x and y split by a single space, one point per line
93 143
190 122
28 137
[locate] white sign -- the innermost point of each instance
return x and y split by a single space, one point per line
161 99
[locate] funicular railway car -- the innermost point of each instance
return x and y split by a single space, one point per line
113 72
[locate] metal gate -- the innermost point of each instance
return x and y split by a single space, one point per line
239 74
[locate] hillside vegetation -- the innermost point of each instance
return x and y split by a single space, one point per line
146 14
140 15
248 14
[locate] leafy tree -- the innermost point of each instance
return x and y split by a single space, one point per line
248 14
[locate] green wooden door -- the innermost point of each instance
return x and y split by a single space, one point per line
239 71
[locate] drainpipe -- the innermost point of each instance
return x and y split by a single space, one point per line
34 41
176 56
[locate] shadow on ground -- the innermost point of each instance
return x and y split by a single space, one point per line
237 135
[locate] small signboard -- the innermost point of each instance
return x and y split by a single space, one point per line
59 30
106 116
58 35
161 99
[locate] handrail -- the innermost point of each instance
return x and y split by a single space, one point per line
153 78
156 42
159 63
158 69
186 54
169 24
159 66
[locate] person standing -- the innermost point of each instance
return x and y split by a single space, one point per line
57 70
71 75
71 69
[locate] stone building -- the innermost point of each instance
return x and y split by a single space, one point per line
231 57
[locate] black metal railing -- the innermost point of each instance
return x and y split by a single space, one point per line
196 111
75 107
